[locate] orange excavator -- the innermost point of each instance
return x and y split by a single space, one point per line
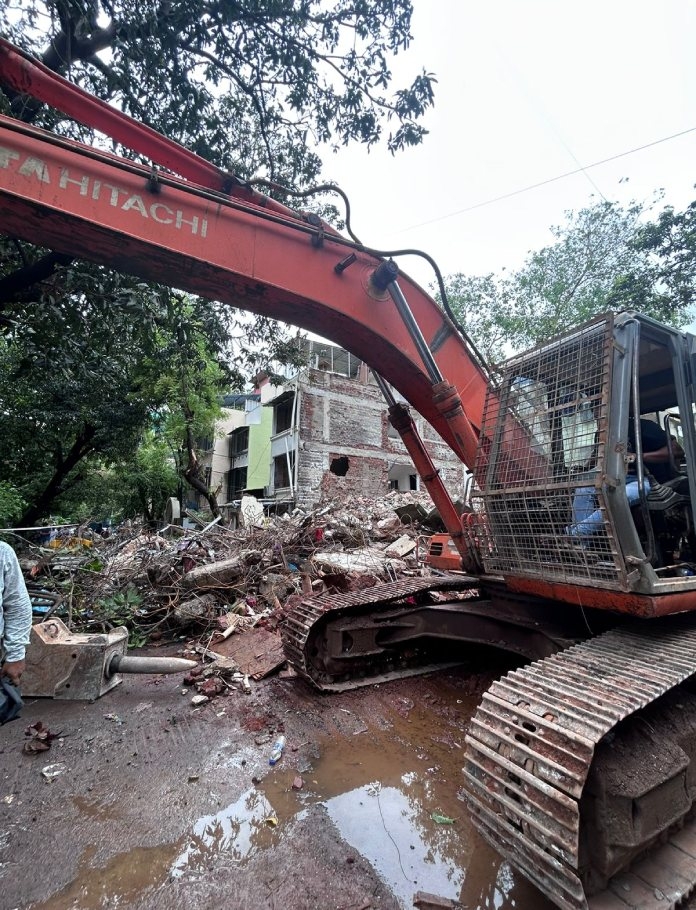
579 766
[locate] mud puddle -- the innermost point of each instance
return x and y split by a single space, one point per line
390 781
232 834
396 796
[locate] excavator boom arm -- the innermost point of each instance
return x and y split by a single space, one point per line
238 246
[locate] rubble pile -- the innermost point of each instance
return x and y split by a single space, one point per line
213 585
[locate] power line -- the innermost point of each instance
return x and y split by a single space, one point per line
534 186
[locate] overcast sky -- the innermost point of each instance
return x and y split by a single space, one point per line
528 90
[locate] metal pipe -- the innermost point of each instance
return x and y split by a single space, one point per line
384 278
128 663
384 388
638 445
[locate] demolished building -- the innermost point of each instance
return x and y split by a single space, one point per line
323 433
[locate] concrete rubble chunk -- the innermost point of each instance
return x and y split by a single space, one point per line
365 559
228 582
200 609
401 547
411 513
251 512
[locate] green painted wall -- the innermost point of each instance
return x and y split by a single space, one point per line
259 470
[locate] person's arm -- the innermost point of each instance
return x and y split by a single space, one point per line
662 454
16 607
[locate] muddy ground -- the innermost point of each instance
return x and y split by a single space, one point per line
157 804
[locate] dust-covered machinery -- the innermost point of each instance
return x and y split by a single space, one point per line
72 665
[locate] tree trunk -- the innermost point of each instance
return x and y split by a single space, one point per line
192 475
81 447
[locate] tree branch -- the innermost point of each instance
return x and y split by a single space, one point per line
27 277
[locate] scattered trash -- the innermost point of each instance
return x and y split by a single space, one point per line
231 622
277 750
41 738
230 589
441 819
272 821
297 783
199 700
50 772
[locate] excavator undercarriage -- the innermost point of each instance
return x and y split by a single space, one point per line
579 764
394 630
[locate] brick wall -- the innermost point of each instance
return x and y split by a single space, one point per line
343 418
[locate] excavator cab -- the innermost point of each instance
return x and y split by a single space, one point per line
567 494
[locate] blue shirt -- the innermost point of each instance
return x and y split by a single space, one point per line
15 606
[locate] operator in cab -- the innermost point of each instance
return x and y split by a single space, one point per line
656 447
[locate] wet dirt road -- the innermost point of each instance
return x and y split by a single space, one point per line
158 805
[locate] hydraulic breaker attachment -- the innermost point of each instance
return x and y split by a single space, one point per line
65 664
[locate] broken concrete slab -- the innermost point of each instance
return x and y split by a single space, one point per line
256 653
362 560
411 513
401 547
251 512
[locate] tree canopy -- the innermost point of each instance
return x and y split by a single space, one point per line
604 257
87 357
252 86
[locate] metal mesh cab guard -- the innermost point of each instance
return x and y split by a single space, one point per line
539 464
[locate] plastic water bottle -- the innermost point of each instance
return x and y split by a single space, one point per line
277 750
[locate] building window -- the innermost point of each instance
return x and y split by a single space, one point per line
281 474
239 441
283 414
332 359
236 483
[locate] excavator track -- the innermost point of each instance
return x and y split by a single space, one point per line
310 619
530 749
